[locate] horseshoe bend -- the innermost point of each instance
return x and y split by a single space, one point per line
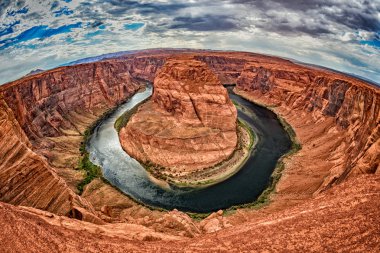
315 131
188 126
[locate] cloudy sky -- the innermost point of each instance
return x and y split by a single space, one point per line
340 34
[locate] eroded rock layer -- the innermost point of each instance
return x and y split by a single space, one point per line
335 117
344 219
43 119
27 179
190 122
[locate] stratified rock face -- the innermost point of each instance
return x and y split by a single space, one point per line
47 104
344 219
44 116
227 67
190 122
54 108
27 179
335 116
189 91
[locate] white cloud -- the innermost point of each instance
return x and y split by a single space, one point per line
303 35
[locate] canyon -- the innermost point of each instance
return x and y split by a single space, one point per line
333 180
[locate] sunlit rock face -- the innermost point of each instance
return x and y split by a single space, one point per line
27 179
336 118
42 118
189 91
189 123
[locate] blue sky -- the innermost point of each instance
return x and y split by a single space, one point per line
344 35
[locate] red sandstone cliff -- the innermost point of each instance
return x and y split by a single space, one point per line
54 106
47 104
46 114
337 117
27 179
190 122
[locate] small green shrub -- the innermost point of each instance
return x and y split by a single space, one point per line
92 171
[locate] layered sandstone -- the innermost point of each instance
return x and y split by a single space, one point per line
189 123
336 119
27 179
43 118
54 108
343 219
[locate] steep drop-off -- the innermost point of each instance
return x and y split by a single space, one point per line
343 219
189 124
64 102
46 114
27 179
336 119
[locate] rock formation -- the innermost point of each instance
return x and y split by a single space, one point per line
190 122
335 117
344 219
27 179
46 114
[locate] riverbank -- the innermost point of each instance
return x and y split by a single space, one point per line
265 197
89 169
223 170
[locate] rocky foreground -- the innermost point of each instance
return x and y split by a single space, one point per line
343 219
188 125
326 200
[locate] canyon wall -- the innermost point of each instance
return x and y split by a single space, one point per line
226 65
336 118
44 104
52 110
27 179
44 117
55 107
144 67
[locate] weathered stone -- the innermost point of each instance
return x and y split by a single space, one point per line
189 123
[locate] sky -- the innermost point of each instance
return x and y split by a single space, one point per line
42 34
